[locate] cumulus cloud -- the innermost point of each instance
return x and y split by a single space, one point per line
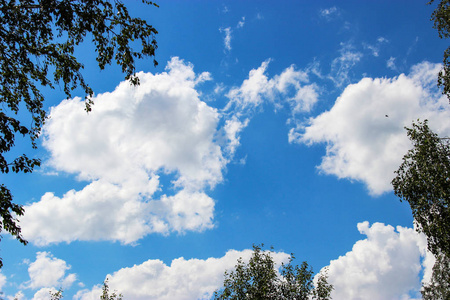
364 130
183 279
291 86
44 294
48 271
132 136
385 265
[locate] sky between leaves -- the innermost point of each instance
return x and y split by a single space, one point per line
265 122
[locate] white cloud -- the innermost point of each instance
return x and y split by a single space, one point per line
227 38
291 87
48 271
101 211
134 135
385 265
184 211
162 124
233 128
375 49
225 9
390 63
44 294
341 66
2 281
241 23
364 129
183 279
329 13
131 137
18 296
228 34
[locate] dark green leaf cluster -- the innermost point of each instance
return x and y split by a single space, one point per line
37 43
423 179
441 19
259 279
8 222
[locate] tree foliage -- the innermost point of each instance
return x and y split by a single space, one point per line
441 19
439 286
56 295
259 279
105 293
37 43
423 179
8 222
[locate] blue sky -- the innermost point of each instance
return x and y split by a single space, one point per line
265 122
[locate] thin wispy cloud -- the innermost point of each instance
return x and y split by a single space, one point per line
341 66
2 280
241 23
390 64
375 48
227 38
329 13
228 34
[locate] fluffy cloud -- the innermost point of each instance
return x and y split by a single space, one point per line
44 294
48 271
291 87
160 125
132 136
385 265
183 279
364 130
